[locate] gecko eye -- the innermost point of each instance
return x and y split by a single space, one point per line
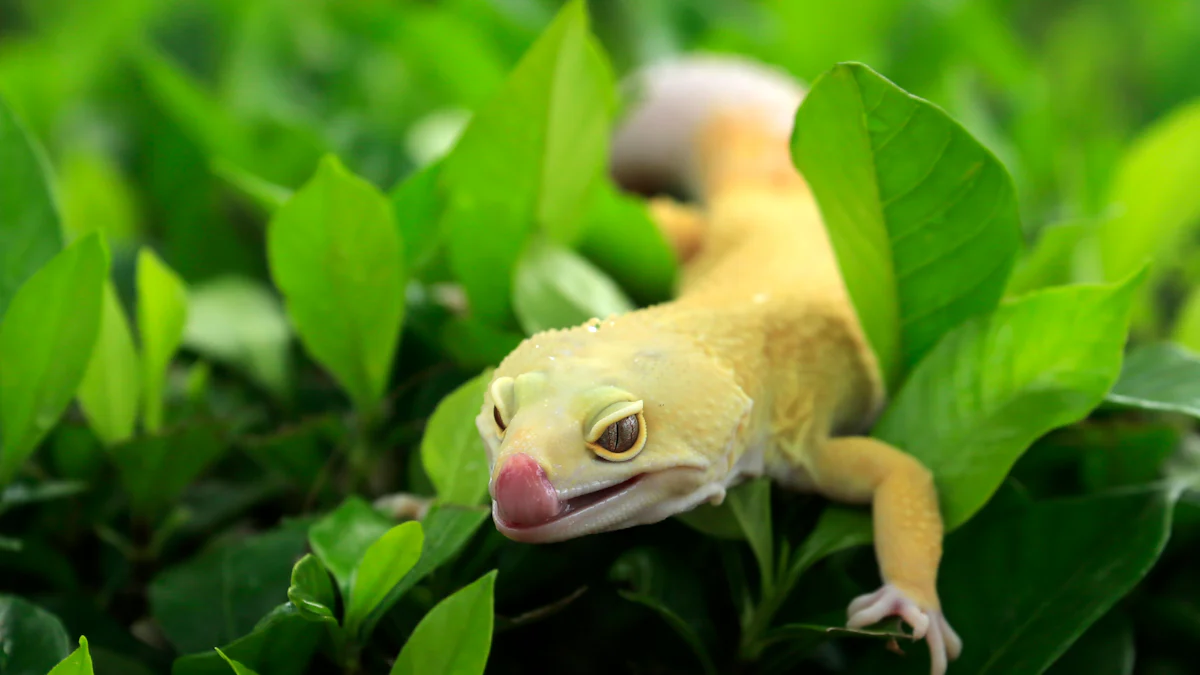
619 432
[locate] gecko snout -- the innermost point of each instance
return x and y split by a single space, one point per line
523 494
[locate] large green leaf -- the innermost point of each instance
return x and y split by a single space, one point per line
30 234
240 322
342 537
1160 376
623 240
923 218
220 595
1021 584
161 316
418 205
1153 193
997 383
527 160
557 288
46 341
1107 648
382 566
282 643
35 640
78 663
108 393
451 450
335 253
454 637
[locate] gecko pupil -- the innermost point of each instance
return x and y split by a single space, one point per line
620 435
496 416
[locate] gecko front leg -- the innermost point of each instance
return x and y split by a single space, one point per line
908 535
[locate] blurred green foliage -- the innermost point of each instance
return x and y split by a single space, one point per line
254 256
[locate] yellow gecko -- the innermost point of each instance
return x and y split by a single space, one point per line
758 366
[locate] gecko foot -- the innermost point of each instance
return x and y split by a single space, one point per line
944 643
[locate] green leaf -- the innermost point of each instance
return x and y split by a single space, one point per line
282 643
447 529
155 470
240 322
1090 552
341 538
382 567
527 159
454 637
1052 260
19 494
35 640
622 240
751 506
715 521
30 234
268 196
335 253
220 595
161 315
557 288
238 668
923 218
108 393
311 591
1153 194
78 663
451 450
1107 648
97 196
418 207
46 340
997 383
1159 376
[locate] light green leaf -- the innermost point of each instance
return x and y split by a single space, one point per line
923 218
342 537
997 383
1160 376
34 639
46 340
240 322
78 663
311 590
335 253
97 196
1153 193
1052 260
382 567
1187 326
451 451
527 160
108 393
238 668
454 637
557 288
30 234
418 206
161 315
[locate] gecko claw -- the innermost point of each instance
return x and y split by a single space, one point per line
931 624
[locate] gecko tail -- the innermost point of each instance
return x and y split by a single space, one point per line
698 121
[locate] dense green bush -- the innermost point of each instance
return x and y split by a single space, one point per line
257 257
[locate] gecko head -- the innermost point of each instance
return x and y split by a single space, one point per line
604 427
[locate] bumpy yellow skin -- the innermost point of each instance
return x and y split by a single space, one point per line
758 367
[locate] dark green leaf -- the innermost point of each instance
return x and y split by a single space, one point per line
454 637
527 160
751 506
1161 376
268 196
1105 649
30 234
46 340
922 217
282 643
220 595
557 288
109 391
382 566
35 640
155 470
19 494
78 663
622 239
300 452
237 667
311 590
451 450
342 537
161 316
335 253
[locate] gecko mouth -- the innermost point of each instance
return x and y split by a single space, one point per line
573 505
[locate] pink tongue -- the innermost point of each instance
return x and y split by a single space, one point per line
523 494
